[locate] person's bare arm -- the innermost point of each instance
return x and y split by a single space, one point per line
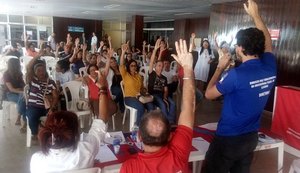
12 89
103 99
166 92
124 48
185 59
151 64
211 90
216 42
72 59
54 99
109 42
192 44
252 10
107 65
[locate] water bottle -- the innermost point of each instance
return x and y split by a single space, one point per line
134 133
116 145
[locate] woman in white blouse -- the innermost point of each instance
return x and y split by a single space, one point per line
60 142
205 56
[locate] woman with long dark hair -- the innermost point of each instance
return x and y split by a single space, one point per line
14 84
205 56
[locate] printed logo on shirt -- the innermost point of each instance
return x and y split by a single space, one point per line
223 77
264 83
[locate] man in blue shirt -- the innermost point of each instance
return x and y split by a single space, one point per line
246 90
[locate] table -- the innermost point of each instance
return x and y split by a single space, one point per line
197 156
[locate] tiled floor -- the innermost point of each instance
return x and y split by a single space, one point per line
15 156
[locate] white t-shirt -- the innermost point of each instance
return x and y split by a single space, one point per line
169 75
94 40
65 159
64 77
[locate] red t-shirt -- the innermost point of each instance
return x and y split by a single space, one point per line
93 90
172 158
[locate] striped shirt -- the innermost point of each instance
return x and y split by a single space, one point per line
37 90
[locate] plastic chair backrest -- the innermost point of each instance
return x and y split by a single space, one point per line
109 79
174 66
74 88
24 61
122 87
47 58
82 71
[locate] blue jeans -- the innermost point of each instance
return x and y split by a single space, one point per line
34 114
135 103
20 101
170 114
117 92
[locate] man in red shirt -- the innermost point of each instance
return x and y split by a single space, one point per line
163 151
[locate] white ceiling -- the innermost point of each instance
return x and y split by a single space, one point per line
110 9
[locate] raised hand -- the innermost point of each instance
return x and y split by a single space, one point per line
124 47
101 82
101 43
224 61
183 57
157 44
193 35
77 42
84 47
144 43
109 38
252 8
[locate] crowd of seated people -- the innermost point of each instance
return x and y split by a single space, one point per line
106 73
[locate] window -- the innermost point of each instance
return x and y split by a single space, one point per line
3 18
31 32
16 32
31 20
15 19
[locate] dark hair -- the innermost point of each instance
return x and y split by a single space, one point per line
252 41
202 49
63 64
128 65
60 131
14 69
90 66
155 140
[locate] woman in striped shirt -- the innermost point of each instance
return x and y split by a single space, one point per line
40 85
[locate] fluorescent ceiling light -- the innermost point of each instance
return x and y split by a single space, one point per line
181 14
111 6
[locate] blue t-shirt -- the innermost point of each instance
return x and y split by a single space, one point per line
246 90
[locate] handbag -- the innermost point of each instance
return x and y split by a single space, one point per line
145 97
47 103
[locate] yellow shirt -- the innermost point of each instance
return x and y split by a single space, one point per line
132 83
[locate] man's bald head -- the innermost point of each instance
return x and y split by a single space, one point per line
155 129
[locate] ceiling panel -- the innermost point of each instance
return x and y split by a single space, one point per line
110 9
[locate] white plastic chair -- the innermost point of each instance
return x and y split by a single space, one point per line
51 66
74 87
9 108
132 111
24 61
47 58
173 66
82 71
295 166
86 170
